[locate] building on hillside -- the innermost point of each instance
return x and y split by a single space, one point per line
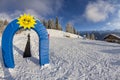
112 38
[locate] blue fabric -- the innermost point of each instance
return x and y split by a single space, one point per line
7 43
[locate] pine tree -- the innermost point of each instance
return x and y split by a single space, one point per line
87 35
46 24
49 24
92 36
57 23
53 24
74 30
43 21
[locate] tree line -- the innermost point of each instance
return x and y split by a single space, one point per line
54 24
90 36
49 24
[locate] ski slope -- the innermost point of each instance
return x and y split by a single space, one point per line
70 59
61 34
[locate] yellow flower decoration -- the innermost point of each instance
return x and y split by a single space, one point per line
26 21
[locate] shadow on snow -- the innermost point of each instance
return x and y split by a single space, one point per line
112 51
101 44
116 63
33 59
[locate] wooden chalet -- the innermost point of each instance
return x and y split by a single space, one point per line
112 38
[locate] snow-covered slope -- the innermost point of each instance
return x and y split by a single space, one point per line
61 34
70 59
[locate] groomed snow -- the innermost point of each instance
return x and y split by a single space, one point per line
70 59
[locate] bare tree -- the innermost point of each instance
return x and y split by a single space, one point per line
92 36
87 35
69 28
1 23
5 22
59 27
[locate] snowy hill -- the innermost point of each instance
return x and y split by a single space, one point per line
61 34
70 59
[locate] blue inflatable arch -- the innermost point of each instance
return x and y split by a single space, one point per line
7 43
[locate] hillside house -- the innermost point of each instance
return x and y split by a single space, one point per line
112 38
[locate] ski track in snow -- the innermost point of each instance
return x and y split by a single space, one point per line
70 59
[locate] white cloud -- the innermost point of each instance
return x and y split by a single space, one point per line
98 11
36 7
32 12
95 12
114 23
76 19
9 17
4 16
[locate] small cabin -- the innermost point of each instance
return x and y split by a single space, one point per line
112 38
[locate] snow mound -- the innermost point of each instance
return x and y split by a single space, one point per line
70 59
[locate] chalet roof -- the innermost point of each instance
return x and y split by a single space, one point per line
115 35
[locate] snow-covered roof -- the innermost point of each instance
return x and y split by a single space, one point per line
115 35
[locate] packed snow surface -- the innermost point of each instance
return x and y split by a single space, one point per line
70 59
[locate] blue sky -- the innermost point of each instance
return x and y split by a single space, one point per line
84 15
